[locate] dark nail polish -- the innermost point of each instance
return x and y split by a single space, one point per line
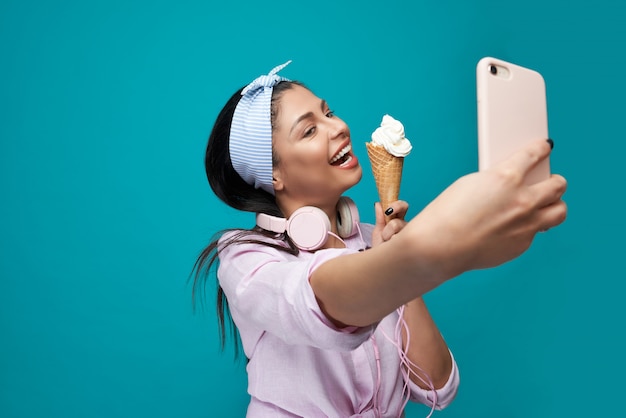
551 142
389 211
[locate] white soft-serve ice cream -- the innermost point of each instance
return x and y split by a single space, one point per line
386 152
390 134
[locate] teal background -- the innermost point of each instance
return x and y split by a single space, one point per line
105 107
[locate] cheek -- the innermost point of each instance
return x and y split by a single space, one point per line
307 154
301 168
305 166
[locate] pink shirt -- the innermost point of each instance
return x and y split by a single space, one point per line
300 364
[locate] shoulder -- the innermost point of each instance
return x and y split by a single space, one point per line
250 236
237 242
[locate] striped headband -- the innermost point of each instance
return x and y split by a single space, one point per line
250 142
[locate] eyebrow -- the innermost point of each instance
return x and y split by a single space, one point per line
307 115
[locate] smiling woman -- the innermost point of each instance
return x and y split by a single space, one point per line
340 328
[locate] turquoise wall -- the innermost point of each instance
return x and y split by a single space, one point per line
105 107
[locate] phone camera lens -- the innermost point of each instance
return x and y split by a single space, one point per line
493 69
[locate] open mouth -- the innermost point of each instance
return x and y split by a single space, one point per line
343 156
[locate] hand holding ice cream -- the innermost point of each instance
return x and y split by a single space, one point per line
386 152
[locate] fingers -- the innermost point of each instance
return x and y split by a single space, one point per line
549 191
528 157
392 228
396 210
380 216
551 216
390 222
551 210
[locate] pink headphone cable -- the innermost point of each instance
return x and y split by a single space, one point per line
406 365
378 375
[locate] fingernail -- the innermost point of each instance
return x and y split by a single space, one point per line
551 142
389 211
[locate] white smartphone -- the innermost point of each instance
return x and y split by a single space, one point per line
512 110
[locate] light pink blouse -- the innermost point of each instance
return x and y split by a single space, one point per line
300 364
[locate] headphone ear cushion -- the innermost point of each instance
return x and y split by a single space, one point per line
308 227
349 216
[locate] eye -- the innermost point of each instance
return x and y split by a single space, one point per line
310 131
330 113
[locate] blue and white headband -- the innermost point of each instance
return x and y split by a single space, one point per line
250 139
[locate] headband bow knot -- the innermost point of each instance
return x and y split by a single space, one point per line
269 80
250 142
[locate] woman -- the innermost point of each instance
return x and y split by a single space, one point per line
338 328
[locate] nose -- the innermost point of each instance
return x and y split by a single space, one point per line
338 129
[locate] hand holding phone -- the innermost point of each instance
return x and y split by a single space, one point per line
512 110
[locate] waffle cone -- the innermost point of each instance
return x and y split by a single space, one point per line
387 169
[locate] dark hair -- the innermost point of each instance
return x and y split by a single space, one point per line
235 192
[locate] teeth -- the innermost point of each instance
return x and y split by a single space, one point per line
343 152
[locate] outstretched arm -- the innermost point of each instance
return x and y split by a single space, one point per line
482 220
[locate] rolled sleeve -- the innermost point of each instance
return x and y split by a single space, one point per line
444 395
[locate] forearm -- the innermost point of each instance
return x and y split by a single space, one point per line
362 288
427 348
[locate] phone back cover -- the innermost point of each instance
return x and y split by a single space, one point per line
512 110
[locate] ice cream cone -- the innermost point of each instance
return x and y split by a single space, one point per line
387 169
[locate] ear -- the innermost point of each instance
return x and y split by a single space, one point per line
277 180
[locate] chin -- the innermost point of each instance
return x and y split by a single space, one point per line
356 176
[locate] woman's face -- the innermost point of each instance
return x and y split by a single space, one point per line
315 159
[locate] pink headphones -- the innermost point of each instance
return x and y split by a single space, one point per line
309 227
